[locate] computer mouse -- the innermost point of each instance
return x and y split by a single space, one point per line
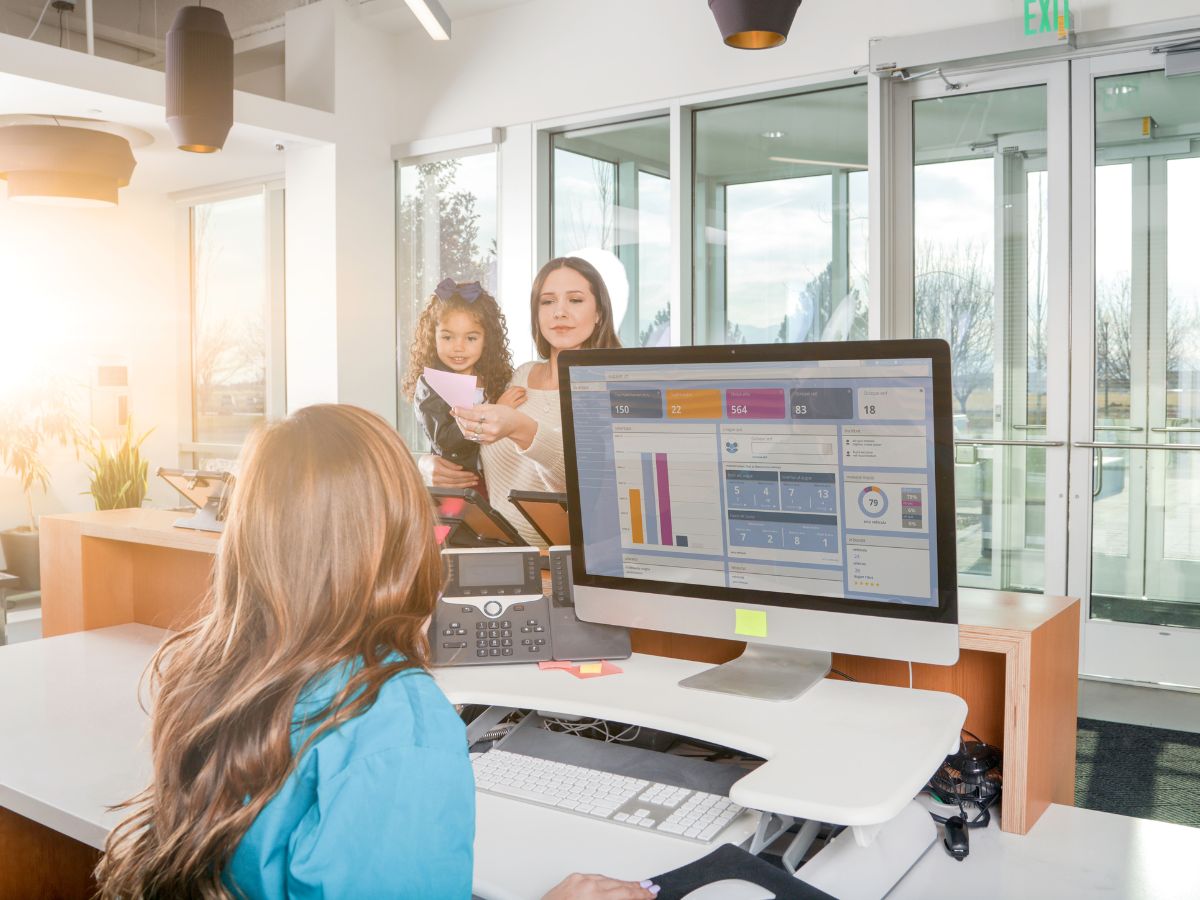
957 841
730 889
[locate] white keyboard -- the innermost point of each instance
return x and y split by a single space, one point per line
693 815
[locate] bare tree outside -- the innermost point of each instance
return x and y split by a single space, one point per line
585 217
229 349
458 254
954 301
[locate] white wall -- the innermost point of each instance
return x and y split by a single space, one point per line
341 214
80 287
550 58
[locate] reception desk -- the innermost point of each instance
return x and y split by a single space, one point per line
1017 671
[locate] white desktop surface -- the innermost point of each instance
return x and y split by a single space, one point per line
844 753
73 737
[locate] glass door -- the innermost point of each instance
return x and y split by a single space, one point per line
1135 489
981 212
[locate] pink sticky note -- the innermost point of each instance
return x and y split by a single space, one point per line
555 664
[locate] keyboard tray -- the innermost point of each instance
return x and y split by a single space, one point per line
621 759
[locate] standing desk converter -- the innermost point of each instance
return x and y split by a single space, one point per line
843 753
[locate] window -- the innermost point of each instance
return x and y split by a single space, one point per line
446 228
236 321
611 190
780 206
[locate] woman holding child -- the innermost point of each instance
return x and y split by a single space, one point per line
521 438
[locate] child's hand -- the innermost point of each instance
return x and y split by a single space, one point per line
513 397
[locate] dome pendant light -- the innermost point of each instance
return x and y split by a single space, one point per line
754 24
62 165
199 79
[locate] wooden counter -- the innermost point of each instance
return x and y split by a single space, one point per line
1017 670
119 566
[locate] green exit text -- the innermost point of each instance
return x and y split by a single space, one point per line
1047 16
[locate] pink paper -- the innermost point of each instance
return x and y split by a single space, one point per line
457 390
606 668
555 664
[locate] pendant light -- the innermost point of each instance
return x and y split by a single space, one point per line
754 24
199 79
63 165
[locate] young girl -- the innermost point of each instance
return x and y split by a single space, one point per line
299 747
460 330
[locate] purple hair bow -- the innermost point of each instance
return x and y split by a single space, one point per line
469 290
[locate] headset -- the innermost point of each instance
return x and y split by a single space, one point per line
969 778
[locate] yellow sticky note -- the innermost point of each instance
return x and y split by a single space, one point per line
591 668
750 622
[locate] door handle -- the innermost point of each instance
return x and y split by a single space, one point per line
998 442
1114 445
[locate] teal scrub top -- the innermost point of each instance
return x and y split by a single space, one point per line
383 806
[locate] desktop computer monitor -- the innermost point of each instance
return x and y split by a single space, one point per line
799 497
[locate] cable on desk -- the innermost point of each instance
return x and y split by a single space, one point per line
595 728
843 674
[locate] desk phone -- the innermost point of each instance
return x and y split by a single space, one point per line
492 609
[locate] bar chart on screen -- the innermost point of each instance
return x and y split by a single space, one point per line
668 488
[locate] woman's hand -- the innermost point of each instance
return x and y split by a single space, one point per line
597 887
513 397
490 422
440 472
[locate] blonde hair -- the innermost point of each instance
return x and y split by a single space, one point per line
328 558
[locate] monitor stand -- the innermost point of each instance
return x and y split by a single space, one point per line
207 518
765 672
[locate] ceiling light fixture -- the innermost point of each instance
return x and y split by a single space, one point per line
856 167
58 164
772 135
199 80
754 24
433 18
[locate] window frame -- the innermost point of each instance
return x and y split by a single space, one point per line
681 123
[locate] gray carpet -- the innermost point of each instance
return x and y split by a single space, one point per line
1133 770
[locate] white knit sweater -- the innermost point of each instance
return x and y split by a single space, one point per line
538 468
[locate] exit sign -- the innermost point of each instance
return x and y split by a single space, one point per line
1047 17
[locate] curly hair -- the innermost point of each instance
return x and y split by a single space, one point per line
494 368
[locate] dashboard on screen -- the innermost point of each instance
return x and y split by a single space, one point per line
790 478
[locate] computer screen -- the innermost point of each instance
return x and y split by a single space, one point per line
800 477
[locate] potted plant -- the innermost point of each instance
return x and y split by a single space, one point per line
119 477
29 422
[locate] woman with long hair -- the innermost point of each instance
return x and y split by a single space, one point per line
300 749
